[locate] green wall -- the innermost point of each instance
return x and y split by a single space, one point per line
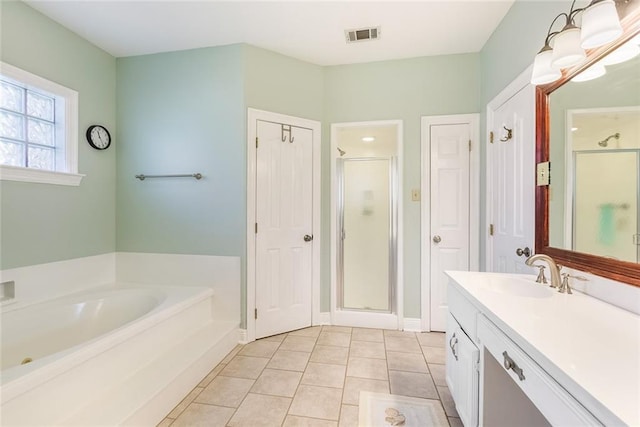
405 90
508 52
42 222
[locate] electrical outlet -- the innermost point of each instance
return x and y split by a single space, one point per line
415 195
543 172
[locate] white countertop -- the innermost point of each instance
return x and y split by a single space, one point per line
590 347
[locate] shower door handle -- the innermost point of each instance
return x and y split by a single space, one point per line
308 238
437 239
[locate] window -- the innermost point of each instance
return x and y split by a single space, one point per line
38 129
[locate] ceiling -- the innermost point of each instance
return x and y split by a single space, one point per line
312 31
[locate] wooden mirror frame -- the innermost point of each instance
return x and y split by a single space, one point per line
623 271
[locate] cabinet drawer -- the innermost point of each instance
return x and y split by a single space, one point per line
553 401
463 311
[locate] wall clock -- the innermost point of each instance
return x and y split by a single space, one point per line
98 137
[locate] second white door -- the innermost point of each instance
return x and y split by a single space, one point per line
284 236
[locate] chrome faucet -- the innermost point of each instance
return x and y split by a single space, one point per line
553 267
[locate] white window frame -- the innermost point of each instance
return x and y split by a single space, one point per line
70 175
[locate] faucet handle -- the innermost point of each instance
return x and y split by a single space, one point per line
541 278
565 287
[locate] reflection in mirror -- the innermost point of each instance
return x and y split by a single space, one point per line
595 152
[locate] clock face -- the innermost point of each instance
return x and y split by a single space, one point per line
98 137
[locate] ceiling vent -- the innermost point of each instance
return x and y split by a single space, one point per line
362 34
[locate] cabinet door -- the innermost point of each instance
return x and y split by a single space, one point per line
467 393
451 365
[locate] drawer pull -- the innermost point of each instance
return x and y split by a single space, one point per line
452 343
510 364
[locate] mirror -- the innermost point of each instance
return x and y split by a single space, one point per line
589 129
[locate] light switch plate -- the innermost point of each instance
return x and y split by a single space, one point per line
415 195
543 174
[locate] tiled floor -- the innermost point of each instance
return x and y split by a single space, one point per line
313 377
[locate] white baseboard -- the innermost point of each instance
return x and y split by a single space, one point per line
412 325
242 336
324 318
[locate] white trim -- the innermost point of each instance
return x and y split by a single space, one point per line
519 83
15 173
324 318
252 116
473 120
365 319
242 336
412 324
336 316
69 97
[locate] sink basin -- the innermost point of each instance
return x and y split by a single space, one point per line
513 285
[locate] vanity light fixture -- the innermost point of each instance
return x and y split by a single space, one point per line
368 139
600 25
593 72
624 53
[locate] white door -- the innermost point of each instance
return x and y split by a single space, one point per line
449 193
512 166
284 244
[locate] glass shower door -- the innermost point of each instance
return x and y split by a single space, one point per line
366 234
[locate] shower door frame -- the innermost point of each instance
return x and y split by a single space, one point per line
393 234
569 170
357 318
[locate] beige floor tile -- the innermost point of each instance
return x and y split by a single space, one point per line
185 402
261 410
412 384
349 416
372 350
412 362
455 422
438 374
296 421
294 343
434 355
363 334
204 415
232 354
367 368
245 367
275 338
317 402
339 329
165 423
402 344
211 375
353 386
324 375
314 331
338 339
260 348
399 334
225 391
447 401
330 354
431 339
277 383
289 360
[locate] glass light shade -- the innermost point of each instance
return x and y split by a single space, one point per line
593 72
624 53
566 48
543 73
600 24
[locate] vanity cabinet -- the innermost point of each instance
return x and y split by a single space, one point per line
462 359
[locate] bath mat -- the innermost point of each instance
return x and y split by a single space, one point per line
385 410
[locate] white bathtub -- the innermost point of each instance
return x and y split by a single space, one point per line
116 354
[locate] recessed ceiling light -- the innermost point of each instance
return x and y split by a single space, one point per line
368 139
574 129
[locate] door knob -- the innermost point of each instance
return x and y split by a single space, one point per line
526 252
308 238
437 239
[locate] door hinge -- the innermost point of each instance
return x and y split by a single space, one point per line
256 142
469 145
256 228
490 229
491 137
255 313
